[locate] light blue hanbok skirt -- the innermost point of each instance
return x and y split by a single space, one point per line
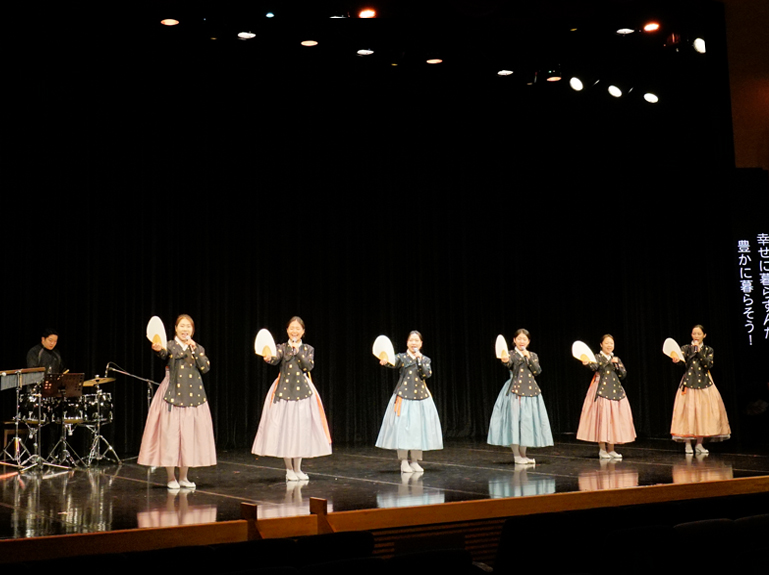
416 427
518 420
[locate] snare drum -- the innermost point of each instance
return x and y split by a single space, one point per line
67 411
34 410
98 408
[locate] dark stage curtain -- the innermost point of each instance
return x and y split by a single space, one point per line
459 270
244 191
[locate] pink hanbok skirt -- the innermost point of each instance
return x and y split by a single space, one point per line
699 413
605 420
292 428
177 436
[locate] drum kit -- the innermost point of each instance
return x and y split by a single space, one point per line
57 399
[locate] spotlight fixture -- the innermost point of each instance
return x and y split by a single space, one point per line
651 97
576 84
309 43
625 31
651 26
169 22
434 61
582 79
365 52
246 35
699 45
621 87
553 74
367 13
504 73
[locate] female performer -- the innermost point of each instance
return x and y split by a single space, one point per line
293 423
179 431
606 416
519 419
411 423
698 411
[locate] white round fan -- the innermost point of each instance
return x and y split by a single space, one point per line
500 347
383 349
264 344
671 349
582 352
156 332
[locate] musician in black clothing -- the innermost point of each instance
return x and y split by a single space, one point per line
45 355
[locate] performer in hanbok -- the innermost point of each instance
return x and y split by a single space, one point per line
606 416
698 411
293 423
519 419
411 424
179 431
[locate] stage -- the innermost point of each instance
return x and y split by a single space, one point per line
112 497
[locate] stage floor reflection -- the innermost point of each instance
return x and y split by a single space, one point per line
109 497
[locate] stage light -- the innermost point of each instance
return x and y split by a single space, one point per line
651 97
615 91
651 27
625 31
169 22
309 43
270 15
504 72
699 45
367 13
365 52
434 61
576 84
246 35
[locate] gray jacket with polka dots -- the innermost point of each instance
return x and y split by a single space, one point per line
413 373
295 364
698 364
609 375
523 370
185 386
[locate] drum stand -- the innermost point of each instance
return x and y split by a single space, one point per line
65 387
16 453
62 453
95 452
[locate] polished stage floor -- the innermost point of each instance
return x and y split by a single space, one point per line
110 496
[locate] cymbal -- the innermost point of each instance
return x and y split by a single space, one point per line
97 381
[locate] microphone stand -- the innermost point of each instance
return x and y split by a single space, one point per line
150 393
